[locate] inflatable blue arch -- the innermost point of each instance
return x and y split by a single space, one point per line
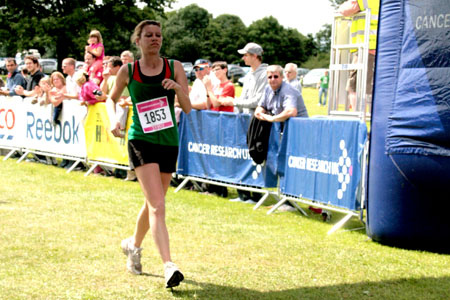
408 194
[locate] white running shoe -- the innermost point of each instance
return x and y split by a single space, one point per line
172 275
133 256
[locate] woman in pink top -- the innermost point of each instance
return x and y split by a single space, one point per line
95 46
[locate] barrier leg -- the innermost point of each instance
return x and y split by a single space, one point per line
298 207
182 184
9 154
23 156
73 166
275 207
261 201
340 223
91 169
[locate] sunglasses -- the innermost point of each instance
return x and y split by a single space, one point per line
198 69
273 76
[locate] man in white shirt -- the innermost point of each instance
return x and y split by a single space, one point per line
198 93
72 88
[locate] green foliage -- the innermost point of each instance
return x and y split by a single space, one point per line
184 33
60 28
323 39
222 39
321 60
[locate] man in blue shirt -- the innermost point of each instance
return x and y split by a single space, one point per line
281 101
14 78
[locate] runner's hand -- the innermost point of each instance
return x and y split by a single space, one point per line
169 84
118 131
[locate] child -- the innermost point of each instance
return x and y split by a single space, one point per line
42 92
95 46
88 87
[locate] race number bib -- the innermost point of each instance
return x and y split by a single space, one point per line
154 115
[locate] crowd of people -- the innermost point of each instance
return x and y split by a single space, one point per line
89 85
270 93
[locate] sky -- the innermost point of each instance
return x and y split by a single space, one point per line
304 15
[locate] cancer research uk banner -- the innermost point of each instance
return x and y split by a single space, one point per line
213 145
320 160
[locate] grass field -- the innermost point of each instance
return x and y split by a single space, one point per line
60 239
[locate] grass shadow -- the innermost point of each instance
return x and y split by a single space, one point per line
434 288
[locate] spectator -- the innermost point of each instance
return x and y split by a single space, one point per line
72 88
94 68
198 93
95 47
280 101
87 86
252 92
127 57
42 91
221 92
58 83
14 78
290 69
256 80
32 65
323 89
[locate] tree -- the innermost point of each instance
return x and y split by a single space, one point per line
323 38
222 40
280 45
61 27
184 33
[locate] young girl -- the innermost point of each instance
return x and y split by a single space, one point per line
88 87
95 46
42 91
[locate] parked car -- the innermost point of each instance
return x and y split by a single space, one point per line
235 72
187 66
49 65
301 72
241 80
312 78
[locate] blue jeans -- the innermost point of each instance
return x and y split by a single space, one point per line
323 91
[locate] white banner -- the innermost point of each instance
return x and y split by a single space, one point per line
29 126
12 121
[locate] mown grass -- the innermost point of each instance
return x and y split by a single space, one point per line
60 237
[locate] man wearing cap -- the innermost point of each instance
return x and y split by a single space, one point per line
255 81
198 93
252 92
